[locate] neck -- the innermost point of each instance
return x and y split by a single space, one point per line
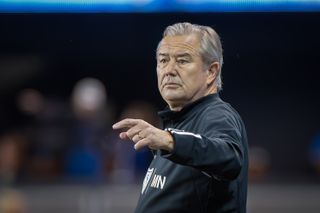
175 108
211 90
178 106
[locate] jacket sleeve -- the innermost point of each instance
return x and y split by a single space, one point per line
217 149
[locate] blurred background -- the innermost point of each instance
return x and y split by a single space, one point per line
70 69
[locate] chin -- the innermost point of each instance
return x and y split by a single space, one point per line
173 99
172 96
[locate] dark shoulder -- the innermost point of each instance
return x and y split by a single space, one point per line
220 110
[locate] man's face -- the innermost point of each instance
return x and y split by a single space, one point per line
180 70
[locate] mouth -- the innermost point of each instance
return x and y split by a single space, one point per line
171 85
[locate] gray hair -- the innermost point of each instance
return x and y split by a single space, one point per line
210 44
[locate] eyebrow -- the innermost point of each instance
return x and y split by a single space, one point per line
163 54
181 55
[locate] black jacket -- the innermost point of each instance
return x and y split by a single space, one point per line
207 170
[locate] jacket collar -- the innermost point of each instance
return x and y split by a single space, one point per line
168 114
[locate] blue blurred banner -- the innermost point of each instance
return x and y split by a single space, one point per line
97 6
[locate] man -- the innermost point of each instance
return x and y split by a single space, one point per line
200 158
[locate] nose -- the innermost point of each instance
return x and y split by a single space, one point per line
170 69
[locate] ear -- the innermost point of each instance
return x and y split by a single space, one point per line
212 73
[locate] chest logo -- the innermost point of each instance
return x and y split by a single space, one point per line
153 180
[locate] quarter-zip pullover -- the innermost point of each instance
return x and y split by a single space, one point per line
207 170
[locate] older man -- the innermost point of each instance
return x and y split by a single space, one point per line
200 158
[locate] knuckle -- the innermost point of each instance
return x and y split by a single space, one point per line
149 129
129 134
135 140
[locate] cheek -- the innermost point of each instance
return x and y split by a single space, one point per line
189 78
192 80
159 78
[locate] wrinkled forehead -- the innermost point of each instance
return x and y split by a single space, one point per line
179 45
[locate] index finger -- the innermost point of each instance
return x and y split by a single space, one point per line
125 123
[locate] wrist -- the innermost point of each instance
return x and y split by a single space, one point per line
169 142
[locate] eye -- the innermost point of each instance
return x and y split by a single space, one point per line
182 61
163 60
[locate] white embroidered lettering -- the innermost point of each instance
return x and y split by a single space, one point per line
147 179
158 181
162 181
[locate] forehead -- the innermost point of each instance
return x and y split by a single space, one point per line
180 44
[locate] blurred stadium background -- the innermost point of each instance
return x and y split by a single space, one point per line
69 69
